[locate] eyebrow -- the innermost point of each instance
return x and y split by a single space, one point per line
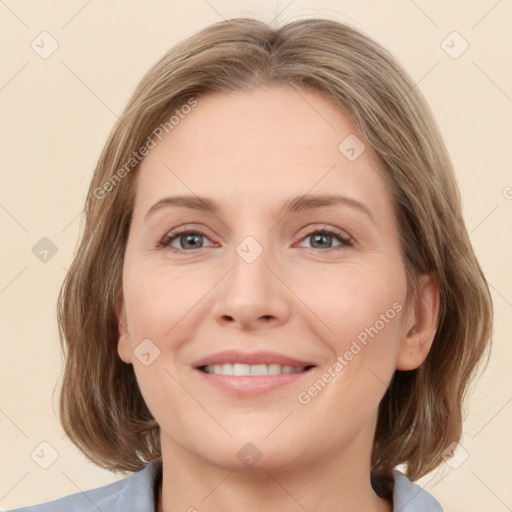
297 204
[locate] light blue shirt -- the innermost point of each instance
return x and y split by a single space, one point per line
136 493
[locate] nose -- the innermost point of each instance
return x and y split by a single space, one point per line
252 295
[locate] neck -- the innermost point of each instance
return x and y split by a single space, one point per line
324 485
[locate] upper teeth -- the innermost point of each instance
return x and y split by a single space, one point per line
251 369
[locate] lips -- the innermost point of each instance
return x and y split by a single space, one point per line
243 374
255 358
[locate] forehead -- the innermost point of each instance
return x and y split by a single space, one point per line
270 144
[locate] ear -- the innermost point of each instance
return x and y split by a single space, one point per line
420 325
123 342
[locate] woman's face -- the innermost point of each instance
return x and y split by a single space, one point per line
248 277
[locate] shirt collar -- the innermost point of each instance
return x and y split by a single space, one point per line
407 496
410 497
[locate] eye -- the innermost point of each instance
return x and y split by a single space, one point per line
187 239
324 236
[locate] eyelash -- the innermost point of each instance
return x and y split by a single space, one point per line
345 240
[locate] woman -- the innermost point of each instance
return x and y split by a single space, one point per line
275 301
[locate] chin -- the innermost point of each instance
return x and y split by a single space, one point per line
254 453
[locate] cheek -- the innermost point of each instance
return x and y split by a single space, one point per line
358 303
158 299
362 313
159 305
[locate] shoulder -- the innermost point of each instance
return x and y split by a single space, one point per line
135 492
410 497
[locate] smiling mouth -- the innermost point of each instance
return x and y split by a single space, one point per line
243 370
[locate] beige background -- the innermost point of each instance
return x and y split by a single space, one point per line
57 112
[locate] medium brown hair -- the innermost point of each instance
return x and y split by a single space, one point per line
101 407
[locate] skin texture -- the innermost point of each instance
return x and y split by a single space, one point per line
250 153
